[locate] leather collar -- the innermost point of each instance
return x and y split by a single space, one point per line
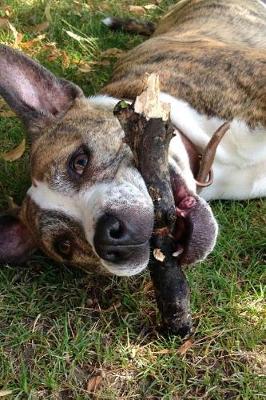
201 161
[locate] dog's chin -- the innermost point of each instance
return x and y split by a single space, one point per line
128 269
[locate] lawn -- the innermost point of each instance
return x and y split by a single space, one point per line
66 335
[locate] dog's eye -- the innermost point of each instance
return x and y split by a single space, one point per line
80 162
63 247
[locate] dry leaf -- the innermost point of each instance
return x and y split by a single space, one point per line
8 10
113 52
7 113
185 347
137 10
11 203
17 35
65 59
85 67
158 255
16 153
4 23
31 43
163 351
148 287
112 307
40 27
94 383
4 393
150 7
53 52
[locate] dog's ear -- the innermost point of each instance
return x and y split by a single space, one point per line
16 242
34 93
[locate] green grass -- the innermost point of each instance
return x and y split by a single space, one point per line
57 329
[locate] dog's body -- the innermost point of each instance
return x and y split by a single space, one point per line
210 56
88 202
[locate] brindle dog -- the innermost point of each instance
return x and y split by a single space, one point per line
88 204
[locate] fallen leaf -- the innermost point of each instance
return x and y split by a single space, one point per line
185 347
77 8
137 10
7 113
43 26
4 393
163 351
113 52
18 38
17 35
4 23
150 7
85 67
103 62
53 53
15 153
8 11
11 203
31 43
94 383
112 307
148 287
65 59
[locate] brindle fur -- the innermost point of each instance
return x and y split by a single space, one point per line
207 52
210 53
49 164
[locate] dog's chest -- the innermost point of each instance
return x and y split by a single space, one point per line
240 162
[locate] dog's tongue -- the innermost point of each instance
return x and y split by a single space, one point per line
196 228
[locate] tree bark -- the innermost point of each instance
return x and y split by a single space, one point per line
148 132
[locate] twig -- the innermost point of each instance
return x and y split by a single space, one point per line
148 132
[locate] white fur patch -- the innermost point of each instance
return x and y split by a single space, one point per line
239 165
89 204
178 155
48 199
108 21
103 101
262 3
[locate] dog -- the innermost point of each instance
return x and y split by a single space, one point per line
88 205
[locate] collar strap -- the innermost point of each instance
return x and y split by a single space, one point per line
208 155
203 161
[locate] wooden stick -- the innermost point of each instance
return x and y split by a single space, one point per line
148 132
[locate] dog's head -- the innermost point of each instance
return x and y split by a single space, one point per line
88 205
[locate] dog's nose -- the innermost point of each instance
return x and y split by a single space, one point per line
117 240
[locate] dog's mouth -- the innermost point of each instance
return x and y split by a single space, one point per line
195 233
196 228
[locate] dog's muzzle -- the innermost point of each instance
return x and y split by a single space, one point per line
123 239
